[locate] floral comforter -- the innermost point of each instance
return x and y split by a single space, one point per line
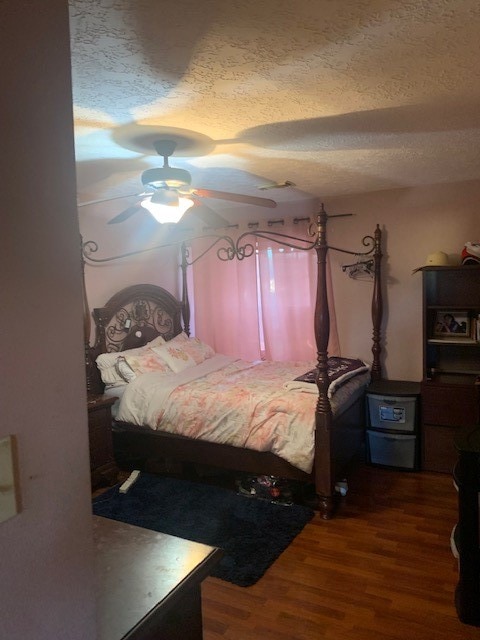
229 401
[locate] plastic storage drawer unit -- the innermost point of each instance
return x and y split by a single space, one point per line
391 449
391 413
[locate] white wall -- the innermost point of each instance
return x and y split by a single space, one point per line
46 555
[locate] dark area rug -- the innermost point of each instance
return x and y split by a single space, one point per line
251 532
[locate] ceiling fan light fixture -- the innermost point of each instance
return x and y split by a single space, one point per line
169 176
165 196
167 213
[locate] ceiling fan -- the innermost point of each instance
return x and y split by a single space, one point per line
168 194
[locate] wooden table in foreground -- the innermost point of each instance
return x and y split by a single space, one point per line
148 583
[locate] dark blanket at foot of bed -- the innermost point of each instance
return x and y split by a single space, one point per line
251 532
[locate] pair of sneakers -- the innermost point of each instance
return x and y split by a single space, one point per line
268 488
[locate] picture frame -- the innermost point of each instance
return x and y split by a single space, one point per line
448 324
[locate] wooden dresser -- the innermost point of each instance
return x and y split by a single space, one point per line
148 584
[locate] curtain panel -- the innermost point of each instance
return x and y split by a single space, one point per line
262 306
225 303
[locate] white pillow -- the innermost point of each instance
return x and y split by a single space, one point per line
124 370
181 337
156 342
198 350
175 356
147 362
106 362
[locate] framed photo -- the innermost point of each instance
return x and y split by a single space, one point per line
452 324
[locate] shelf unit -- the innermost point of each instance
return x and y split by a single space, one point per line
451 362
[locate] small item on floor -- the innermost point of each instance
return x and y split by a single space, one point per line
269 488
342 487
129 481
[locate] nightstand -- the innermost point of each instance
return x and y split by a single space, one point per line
103 469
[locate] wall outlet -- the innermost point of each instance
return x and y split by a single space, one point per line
9 485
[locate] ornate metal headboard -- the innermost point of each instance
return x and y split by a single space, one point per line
136 315
131 318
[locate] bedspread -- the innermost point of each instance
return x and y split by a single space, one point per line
339 371
243 404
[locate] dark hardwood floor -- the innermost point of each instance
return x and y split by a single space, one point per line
382 568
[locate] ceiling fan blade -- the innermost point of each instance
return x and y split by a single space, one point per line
125 215
128 195
234 197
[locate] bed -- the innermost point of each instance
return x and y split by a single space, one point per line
323 419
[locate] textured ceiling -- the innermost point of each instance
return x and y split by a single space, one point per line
339 97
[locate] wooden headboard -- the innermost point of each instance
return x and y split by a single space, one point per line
131 318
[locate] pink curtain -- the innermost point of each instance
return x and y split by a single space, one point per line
226 306
288 283
262 306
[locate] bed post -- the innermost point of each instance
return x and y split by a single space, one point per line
324 471
87 327
377 306
185 300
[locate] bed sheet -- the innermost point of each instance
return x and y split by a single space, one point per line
115 392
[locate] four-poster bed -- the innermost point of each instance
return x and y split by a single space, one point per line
138 314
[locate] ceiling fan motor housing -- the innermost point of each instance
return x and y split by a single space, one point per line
169 176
